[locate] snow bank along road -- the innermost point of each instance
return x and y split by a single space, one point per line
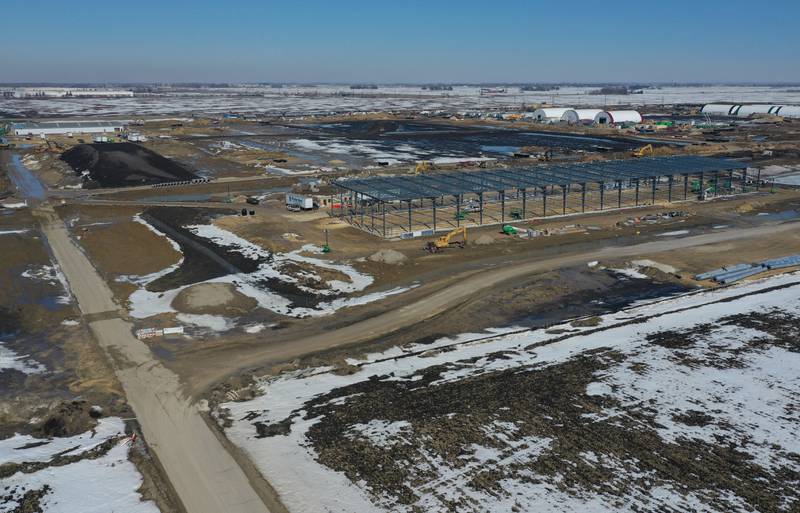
450 296
205 476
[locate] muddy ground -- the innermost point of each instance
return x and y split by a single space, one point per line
123 165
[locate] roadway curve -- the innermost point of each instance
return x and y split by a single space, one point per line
461 288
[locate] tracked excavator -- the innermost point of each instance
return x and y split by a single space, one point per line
445 241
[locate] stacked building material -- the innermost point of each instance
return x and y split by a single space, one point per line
732 273
738 275
780 263
712 275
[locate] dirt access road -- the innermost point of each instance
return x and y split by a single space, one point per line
203 473
460 289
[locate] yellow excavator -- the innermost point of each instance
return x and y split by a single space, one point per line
446 240
644 149
423 166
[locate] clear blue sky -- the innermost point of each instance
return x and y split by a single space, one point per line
400 41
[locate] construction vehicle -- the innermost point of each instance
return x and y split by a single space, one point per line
509 230
446 240
644 149
423 166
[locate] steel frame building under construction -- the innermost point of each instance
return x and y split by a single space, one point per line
392 206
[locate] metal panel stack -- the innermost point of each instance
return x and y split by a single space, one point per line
733 273
780 263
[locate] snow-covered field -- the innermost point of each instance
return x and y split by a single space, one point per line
323 99
302 268
89 473
689 403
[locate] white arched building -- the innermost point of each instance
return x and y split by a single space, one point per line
577 116
743 111
748 110
788 111
720 109
549 115
614 117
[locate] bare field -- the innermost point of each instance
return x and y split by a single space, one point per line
655 407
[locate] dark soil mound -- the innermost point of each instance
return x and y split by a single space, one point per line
122 165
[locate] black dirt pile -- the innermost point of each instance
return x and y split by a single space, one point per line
123 165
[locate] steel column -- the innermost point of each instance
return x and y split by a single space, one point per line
544 201
653 195
583 197
669 193
602 194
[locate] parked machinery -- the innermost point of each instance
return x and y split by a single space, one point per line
446 240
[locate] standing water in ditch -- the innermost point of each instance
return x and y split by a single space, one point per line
25 181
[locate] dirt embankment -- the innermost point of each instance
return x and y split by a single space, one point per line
123 165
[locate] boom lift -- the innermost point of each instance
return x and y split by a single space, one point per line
446 240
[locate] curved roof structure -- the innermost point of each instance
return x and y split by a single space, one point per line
612 117
719 109
549 114
575 116
749 110
788 111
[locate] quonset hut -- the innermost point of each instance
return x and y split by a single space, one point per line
549 115
720 109
744 111
614 117
788 111
580 116
748 110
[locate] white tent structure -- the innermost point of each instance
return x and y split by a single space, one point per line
613 117
549 115
743 111
576 116
788 111
720 109
748 110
